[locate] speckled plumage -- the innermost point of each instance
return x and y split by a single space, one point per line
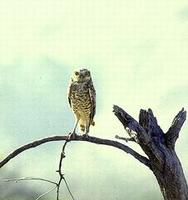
82 99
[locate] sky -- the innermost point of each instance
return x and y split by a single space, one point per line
137 54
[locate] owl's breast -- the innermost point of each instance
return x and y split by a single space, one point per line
80 99
80 96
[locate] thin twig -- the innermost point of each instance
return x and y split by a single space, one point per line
42 195
61 175
68 188
29 179
125 139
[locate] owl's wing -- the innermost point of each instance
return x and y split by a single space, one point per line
92 94
69 93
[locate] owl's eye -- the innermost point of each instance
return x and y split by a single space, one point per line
88 73
76 73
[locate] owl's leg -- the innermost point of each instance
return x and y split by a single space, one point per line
76 124
73 133
87 128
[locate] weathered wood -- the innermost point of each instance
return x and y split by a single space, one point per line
171 180
159 148
173 132
132 124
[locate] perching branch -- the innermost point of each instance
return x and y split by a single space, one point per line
36 143
90 139
173 132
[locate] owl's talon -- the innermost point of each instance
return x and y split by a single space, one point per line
71 136
85 135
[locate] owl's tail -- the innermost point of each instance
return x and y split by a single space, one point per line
82 127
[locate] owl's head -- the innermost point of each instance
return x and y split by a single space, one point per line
82 75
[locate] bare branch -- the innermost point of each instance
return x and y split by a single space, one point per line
132 139
29 146
33 179
173 132
29 179
132 124
61 175
68 188
44 194
61 159
90 139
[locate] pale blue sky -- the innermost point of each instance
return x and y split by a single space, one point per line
137 53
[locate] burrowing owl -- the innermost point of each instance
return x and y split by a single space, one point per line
82 99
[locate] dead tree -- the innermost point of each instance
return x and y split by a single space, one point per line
159 148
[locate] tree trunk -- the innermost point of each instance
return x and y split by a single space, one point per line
160 150
171 178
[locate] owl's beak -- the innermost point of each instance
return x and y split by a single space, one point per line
81 76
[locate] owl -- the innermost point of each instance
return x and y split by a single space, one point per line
82 99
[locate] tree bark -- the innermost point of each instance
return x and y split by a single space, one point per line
171 179
160 150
